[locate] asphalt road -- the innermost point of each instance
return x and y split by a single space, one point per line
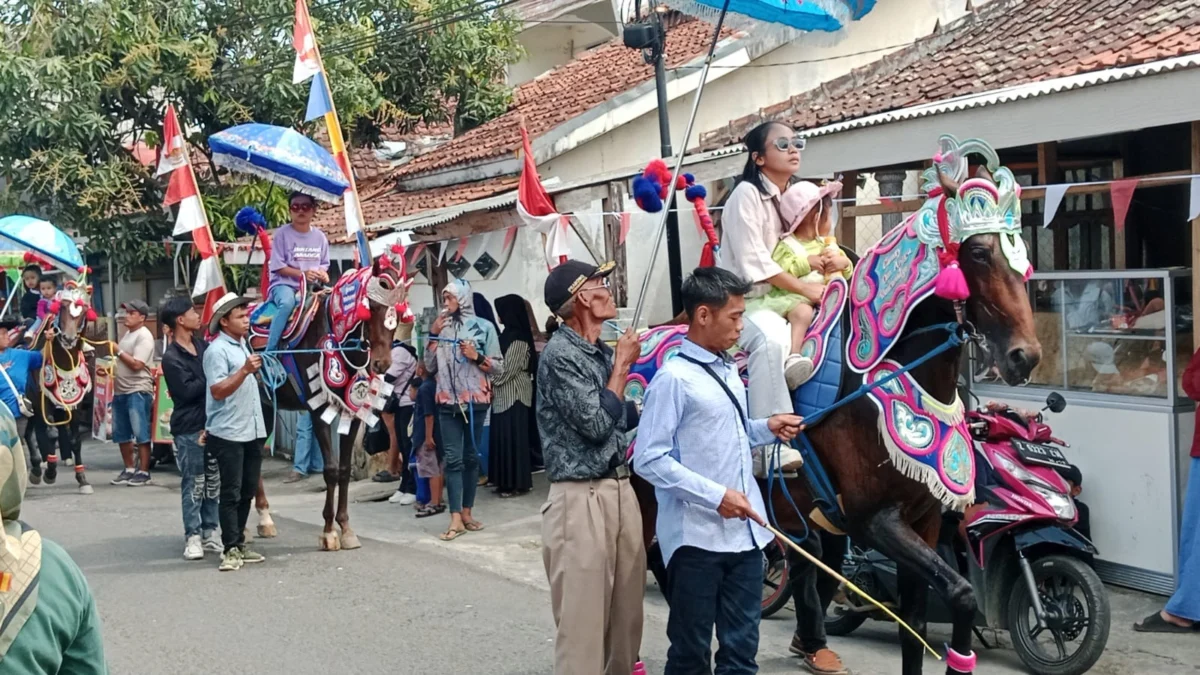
404 603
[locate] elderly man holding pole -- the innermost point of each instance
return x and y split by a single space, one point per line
591 526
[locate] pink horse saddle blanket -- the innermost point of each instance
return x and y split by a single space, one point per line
263 313
927 440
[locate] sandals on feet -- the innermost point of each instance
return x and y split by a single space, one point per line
451 534
428 511
473 526
1156 624
385 476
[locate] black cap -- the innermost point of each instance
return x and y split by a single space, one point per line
136 305
566 279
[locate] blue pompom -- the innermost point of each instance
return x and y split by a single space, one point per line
695 192
249 220
645 193
689 178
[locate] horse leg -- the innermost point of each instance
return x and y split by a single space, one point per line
888 533
75 440
266 526
323 433
46 440
349 539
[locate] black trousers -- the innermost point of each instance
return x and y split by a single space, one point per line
408 484
240 465
812 589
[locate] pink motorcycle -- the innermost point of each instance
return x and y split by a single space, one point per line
1019 545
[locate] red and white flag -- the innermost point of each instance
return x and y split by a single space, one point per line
174 149
305 44
536 208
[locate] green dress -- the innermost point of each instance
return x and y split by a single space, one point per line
788 255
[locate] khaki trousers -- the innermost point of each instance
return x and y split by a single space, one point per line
596 563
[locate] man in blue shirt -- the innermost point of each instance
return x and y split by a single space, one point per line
235 426
15 365
694 445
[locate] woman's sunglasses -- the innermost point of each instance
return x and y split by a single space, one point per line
782 143
301 206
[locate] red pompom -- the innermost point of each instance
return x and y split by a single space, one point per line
79 302
55 307
363 311
385 262
397 249
951 284
91 314
29 256
681 183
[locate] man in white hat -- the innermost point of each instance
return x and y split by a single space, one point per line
235 425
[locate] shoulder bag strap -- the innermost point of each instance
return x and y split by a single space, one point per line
724 387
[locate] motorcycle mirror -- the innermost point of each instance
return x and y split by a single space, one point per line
1055 403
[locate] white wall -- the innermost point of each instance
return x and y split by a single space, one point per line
550 45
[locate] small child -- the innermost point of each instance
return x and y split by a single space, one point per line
425 443
48 288
809 252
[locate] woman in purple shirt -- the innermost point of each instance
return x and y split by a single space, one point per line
299 254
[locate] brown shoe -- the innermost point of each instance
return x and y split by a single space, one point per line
825 662
295 477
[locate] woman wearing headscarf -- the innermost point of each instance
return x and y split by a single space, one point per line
463 354
511 437
48 620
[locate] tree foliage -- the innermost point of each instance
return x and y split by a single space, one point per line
83 81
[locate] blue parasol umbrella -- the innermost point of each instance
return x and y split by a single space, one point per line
281 155
31 234
805 15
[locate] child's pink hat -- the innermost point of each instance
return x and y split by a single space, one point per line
800 198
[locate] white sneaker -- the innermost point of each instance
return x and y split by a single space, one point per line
402 498
789 460
212 543
193 550
797 370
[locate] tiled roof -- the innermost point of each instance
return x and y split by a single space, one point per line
1002 44
559 95
386 204
367 164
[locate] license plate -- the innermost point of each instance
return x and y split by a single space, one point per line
1037 453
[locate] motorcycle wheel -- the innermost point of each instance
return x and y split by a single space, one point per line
840 618
777 583
1077 612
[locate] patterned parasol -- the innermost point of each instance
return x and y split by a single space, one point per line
281 155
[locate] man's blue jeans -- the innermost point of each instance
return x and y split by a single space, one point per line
200 487
707 589
308 459
284 299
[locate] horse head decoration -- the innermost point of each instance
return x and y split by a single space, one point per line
387 305
73 309
963 245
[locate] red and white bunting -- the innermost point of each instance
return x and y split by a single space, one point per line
174 149
1054 197
1194 207
1122 194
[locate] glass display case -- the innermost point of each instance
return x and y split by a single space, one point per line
1121 333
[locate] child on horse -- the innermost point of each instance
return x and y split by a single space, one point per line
809 254
299 254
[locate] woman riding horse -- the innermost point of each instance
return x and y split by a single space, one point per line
957 266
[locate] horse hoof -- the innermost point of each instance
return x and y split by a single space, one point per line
35 478
330 542
266 526
85 489
350 541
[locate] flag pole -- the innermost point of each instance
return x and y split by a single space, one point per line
337 143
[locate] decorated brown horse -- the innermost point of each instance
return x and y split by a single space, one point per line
61 389
335 352
887 447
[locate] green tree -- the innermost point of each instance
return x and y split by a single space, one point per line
83 81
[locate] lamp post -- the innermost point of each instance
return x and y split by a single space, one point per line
651 38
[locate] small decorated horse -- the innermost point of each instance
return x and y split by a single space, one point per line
883 459
59 392
334 353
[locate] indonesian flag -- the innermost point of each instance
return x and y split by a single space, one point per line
536 208
305 44
174 150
